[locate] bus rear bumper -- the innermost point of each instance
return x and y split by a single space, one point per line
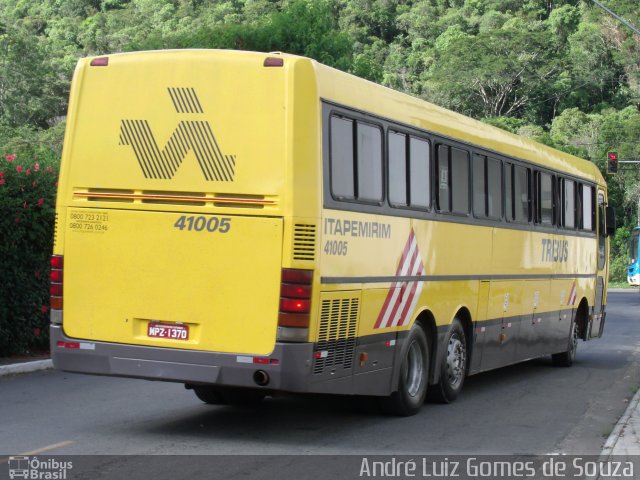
288 367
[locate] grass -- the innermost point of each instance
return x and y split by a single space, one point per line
618 284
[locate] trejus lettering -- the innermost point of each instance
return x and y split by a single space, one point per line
555 250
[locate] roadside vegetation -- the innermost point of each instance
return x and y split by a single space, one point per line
559 71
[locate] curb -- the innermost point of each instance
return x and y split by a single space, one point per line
618 431
25 367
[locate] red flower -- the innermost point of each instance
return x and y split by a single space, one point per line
10 158
40 201
28 172
19 168
2 181
44 309
36 167
1 174
36 332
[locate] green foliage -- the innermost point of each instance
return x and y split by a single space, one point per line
28 182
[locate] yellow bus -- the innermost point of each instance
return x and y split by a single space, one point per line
249 223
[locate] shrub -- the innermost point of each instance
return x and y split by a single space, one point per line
28 181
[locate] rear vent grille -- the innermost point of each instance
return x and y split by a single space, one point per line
157 197
304 242
336 335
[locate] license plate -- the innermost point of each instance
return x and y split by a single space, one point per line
168 330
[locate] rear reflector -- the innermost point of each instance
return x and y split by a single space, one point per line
295 320
273 62
55 303
100 62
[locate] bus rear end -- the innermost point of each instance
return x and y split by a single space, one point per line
172 210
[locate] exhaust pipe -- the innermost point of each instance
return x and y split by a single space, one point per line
261 378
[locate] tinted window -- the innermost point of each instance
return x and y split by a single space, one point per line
397 169
494 188
487 187
508 190
588 210
342 174
479 178
545 199
569 203
369 151
460 181
520 194
443 178
419 181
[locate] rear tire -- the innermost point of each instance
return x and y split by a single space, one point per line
453 366
413 379
566 359
228 395
208 394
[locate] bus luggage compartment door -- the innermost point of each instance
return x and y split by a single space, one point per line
213 279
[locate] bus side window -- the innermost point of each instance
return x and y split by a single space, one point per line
356 160
588 208
342 165
487 187
545 198
397 169
568 203
459 181
369 162
494 188
444 193
479 186
521 194
419 173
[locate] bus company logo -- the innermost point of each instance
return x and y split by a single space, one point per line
403 295
35 469
189 135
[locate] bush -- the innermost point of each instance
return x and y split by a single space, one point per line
28 181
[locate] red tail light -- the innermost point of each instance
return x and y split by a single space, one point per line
100 62
55 289
295 298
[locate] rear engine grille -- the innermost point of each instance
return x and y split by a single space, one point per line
304 242
336 335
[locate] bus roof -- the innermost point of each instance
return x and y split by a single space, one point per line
345 89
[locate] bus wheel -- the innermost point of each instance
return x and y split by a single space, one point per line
228 395
246 397
566 359
209 394
414 375
453 366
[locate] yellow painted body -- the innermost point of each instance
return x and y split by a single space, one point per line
135 266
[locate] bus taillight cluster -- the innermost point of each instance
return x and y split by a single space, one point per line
295 304
55 290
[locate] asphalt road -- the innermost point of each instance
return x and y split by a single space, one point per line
529 408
